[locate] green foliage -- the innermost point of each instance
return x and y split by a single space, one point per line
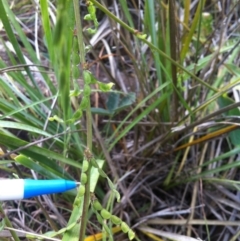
185 68
234 136
104 214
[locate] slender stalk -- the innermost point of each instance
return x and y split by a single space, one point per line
174 49
86 201
79 32
89 127
81 47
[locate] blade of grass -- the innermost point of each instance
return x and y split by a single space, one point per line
187 38
47 27
115 136
216 170
35 152
136 120
29 163
174 52
126 11
4 11
20 126
150 24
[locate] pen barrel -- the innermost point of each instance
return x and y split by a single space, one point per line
16 189
34 188
11 189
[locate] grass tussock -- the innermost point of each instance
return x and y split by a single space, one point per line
166 134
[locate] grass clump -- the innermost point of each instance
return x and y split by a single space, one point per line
154 97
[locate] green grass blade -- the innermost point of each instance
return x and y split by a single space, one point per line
35 152
47 27
117 136
187 38
150 24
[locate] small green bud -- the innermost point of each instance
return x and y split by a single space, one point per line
87 77
116 220
97 205
91 30
125 228
56 118
85 165
83 178
105 214
81 191
105 87
75 92
131 234
84 102
99 218
141 36
91 9
75 72
86 90
75 58
77 203
88 17
77 114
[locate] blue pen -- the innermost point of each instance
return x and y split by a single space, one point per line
16 189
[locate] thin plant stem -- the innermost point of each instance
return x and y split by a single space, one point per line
79 32
174 50
86 199
86 202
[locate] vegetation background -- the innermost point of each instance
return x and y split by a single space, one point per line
166 134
